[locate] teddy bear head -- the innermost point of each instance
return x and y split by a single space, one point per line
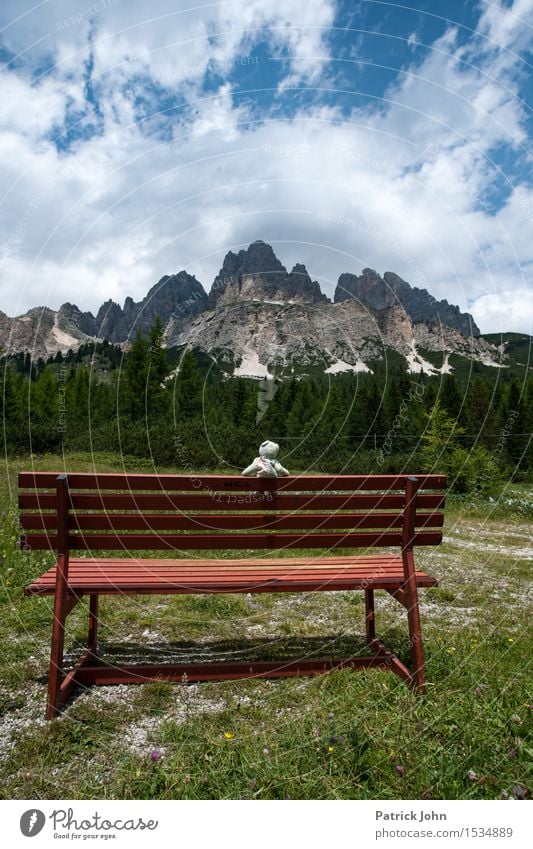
269 450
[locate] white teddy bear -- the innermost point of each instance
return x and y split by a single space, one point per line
266 465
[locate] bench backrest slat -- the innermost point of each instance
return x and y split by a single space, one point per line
224 501
220 522
131 512
223 483
178 542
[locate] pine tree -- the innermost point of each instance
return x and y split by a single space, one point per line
136 378
442 453
513 425
188 389
157 371
303 412
450 397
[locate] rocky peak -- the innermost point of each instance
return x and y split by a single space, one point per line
257 274
422 306
369 289
108 319
72 320
390 290
177 296
258 258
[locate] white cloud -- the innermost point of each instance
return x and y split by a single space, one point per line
507 311
507 27
403 188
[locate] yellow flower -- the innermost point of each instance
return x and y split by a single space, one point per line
229 735
510 640
450 651
330 748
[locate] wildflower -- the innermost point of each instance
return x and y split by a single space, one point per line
504 794
154 754
331 749
512 754
316 732
229 735
450 651
253 783
400 770
519 791
266 752
510 640
472 775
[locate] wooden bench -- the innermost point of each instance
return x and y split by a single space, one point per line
125 513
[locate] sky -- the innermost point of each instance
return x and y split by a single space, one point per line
138 139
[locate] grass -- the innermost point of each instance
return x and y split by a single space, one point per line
343 735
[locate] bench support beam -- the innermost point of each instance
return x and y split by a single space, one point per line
192 672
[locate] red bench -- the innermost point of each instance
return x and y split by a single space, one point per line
101 513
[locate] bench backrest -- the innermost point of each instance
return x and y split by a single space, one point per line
135 512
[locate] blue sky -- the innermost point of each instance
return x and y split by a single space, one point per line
347 134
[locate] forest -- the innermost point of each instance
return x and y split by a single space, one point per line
177 408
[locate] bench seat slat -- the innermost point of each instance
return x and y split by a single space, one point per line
115 576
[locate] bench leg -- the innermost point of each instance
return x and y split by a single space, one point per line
417 651
55 676
370 617
92 640
415 630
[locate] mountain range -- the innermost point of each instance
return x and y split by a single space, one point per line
259 319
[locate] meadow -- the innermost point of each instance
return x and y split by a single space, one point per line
343 735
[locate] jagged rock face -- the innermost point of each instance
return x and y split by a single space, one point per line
71 320
267 334
173 299
42 332
264 317
384 292
264 337
369 289
28 333
422 306
256 274
108 320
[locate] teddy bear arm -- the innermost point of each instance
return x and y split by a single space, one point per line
251 469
